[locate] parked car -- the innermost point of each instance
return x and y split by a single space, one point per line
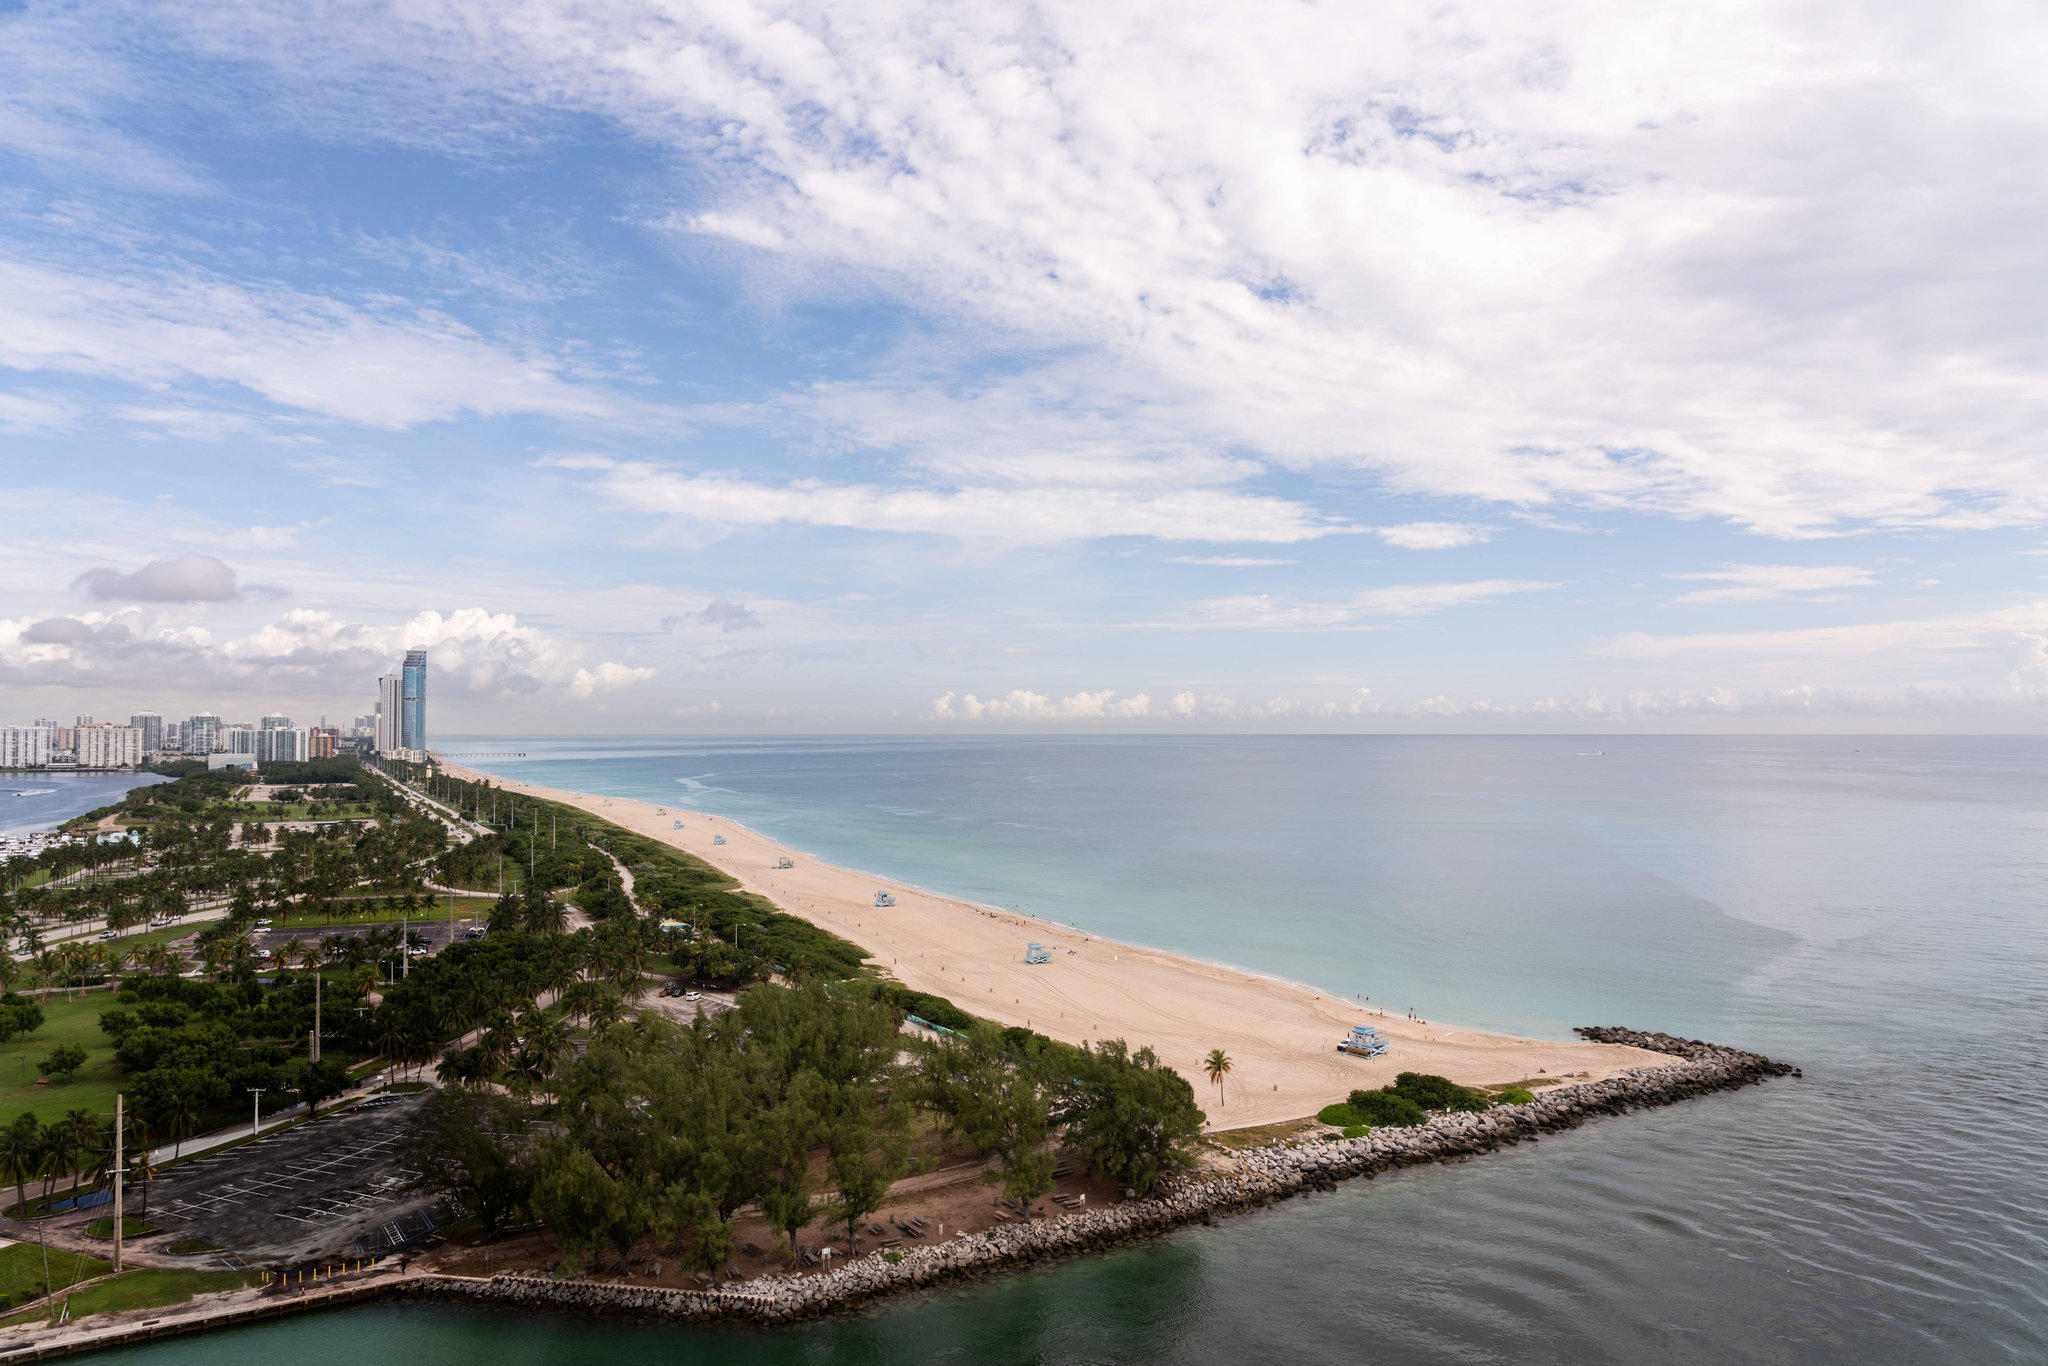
693 996
110 934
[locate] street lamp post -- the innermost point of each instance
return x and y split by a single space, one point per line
255 1108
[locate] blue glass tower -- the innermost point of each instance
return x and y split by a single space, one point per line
412 727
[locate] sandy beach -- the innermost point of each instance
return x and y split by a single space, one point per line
1280 1035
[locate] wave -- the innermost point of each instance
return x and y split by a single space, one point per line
35 792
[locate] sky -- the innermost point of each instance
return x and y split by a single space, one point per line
749 368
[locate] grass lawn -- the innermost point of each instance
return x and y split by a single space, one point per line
93 1085
21 1271
299 811
131 1227
147 1288
471 907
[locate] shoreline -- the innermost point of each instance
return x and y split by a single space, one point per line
1258 1177
1281 1034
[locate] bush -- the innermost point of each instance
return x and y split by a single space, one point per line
1387 1107
1432 1092
1340 1115
1357 1130
1514 1095
892 1258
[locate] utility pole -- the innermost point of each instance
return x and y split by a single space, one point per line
255 1108
120 1207
313 1051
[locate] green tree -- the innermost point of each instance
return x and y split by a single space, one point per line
322 1080
64 1060
1136 1118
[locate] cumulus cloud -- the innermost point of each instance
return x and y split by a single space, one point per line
183 578
471 652
608 677
1023 705
1764 582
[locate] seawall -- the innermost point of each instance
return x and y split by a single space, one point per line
1264 1175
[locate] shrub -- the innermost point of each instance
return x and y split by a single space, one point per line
1432 1092
1514 1095
1387 1107
1357 1130
892 1258
1340 1115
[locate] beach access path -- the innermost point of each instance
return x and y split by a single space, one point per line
1281 1036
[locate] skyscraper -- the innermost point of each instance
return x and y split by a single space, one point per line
412 731
282 745
276 721
202 735
152 727
389 693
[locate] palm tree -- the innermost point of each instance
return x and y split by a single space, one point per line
21 1153
1217 1065
88 1139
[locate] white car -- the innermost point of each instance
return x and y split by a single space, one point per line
693 996
263 953
108 935
263 924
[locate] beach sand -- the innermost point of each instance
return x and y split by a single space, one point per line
1281 1036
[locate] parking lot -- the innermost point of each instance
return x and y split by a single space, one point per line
337 1186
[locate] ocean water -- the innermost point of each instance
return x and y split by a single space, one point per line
1869 909
43 801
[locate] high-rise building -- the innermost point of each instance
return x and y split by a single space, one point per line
389 694
106 745
281 745
152 727
365 727
202 734
236 737
323 742
412 732
25 746
65 738
275 721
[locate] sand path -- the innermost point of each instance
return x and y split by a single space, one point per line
1280 1035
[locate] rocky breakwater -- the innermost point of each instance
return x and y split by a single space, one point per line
1261 1175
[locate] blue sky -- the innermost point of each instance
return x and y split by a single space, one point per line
787 368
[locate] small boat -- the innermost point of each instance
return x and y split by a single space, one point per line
718 839
884 899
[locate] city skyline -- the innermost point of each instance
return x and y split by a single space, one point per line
1415 369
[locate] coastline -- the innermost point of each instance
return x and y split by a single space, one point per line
1280 1034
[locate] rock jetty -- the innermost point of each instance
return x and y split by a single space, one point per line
1262 1175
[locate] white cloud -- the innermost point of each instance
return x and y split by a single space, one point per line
607 677
989 515
24 413
1024 705
1228 561
377 363
1369 607
472 653
1584 254
1432 535
1765 582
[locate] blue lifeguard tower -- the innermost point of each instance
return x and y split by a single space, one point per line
1035 953
884 899
718 839
784 863
1364 1042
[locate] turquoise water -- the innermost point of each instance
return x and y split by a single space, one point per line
1868 909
